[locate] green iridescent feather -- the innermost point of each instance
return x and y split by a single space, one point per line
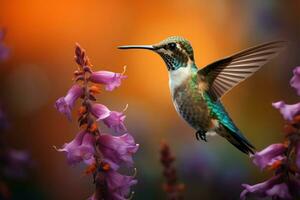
218 111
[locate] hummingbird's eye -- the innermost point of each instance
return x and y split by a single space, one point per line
172 46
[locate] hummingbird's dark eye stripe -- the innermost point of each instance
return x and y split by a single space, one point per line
172 46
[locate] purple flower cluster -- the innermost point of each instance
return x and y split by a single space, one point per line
282 158
103 153
4 51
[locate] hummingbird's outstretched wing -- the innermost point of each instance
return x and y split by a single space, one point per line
228 72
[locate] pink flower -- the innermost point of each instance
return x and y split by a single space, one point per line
288 111
269 155
112 80
279 191
115 121
295 81
273 188
118 150
118 185
100 111
65 104
80 149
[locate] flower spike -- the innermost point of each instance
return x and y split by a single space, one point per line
103 153
281 158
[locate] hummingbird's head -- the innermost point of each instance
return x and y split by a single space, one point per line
176 51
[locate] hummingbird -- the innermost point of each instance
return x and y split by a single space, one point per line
197 93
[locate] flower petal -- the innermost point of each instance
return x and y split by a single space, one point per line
269 155
110 79
295 80
118 149
288 111
80 149
100 111
119 185
115 121
279 191
65 104
260 189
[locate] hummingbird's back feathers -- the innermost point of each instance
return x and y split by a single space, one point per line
226 73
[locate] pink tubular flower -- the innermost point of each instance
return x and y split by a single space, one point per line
118 185
287 111
115 121
295 81
100 111
112 80
279 191
269 155
80 149
273 188
65 104
118 150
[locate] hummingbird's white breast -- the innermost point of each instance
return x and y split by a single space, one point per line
183 99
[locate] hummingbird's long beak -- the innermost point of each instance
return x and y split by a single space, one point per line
149 47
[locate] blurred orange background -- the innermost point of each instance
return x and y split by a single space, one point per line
42 36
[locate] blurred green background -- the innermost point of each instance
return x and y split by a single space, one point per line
42 34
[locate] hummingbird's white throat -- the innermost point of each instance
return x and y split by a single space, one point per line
177 77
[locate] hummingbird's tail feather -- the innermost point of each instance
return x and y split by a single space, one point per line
238 140
228 129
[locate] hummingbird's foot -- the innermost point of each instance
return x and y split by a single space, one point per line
200 134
